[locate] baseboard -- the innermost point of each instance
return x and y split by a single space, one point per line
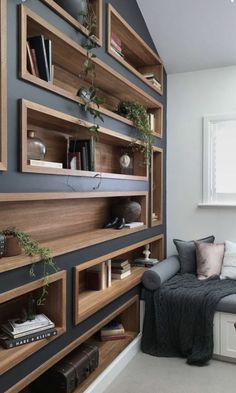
114 369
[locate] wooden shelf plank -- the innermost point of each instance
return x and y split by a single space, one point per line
108 351
90 302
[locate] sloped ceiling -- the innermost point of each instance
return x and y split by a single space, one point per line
192 35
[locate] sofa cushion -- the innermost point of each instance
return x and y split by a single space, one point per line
187 253
229 262
209 259
227 304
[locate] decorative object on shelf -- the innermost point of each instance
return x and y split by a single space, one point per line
128 209
126 163
117 223
89 95
74 8
10 245
2 245
32 248
36 150
146 261
138 114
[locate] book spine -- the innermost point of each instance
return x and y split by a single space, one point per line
116 46
108 265
113 338
38 44
16 342
112 332
118 53
47 164
30 63
33 54
48 48
103 275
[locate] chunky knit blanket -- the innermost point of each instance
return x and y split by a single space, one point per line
179 317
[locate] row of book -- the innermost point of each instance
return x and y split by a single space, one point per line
39 57
15 333
114 330
152 78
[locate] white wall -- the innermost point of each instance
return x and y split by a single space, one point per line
190 97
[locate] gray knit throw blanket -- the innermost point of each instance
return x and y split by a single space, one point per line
179 317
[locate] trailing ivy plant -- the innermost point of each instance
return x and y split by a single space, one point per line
32 249
92 102
138 115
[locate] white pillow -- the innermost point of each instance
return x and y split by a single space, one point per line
229 262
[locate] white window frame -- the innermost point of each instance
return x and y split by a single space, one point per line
207 186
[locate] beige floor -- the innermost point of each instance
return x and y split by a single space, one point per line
147 374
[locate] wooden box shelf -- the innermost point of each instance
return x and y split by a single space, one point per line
87 302
55 308
3 87
55 128
76 220
127 314
68 60
157 187
139 58
97 7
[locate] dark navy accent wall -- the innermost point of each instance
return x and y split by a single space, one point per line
15 181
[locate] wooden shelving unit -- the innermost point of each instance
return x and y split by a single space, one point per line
97 7
157 187
55 128
87 302
112 86
55 308
128 314
138 58
77 220
3 87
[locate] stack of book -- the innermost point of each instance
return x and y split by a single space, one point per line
15 333
98 277
116 45
153 79
143 262
120 268
113 331
39 57
81 154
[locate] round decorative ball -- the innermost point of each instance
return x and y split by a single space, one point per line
125 161
130 210
74 7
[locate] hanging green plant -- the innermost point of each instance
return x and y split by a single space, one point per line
138 115
32 249
90 97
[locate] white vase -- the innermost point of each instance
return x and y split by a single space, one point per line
74 7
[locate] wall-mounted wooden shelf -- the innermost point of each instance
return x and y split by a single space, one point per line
11 303
75 221
87 302
97 7
55 128
3 87
68 59
157 187
127 314
138 58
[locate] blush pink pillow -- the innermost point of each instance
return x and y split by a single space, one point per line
209 259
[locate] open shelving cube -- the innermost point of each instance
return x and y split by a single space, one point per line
3 87
56 128
77 220
87 302
97 8
137 57
68 58
127 314
157 187
13 301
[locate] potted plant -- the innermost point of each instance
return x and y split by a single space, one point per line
16 241
138 115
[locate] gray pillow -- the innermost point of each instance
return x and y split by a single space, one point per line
187 253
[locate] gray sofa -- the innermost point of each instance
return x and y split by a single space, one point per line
153 278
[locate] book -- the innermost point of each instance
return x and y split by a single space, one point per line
113 328
38 44
8 342
48 47
48 164
116 46
118 276
108 273
115 38
118 262
151 121
142 262
120 270
30 62
113 338
15 328
134 224
86 148
96 277
33 55
117 52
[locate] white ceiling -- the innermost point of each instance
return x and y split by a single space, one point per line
192 34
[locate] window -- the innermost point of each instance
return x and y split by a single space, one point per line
219 159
